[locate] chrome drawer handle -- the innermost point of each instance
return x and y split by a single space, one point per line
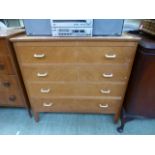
42 74
39 55
105 91
103 106
107 75
110 56
47 104
44 90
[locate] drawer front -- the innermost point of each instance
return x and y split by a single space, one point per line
106 55
76 105
8 82
46 54
3 47
11 98
76 89
50 73
104 73
5 65
14 98
101 55
74 73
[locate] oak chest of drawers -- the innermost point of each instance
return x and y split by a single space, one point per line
84 75
12 92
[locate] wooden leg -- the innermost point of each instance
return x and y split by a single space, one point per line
28 107
116 117
124 119
36 116
121 127
29 112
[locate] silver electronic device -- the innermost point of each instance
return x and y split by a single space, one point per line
74 28
71 27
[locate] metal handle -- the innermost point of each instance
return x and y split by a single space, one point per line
44 90
107 75
39 55
42 74
110 56
47 104
105 91
103 106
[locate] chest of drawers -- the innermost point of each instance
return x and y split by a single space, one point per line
139 101
78 75
12 92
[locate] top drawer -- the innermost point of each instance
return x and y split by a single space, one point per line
70 54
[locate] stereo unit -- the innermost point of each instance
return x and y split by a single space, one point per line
73 28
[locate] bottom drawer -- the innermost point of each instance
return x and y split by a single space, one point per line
108 106
12 99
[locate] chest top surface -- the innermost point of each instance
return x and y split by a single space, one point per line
124 37
10 32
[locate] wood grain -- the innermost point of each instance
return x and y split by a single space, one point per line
95 55
6 65
74 71
11 85
76 105
76 89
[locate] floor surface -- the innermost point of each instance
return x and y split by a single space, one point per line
17 122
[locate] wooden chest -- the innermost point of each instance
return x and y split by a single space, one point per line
80 75
12 92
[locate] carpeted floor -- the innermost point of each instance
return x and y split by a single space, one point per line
17 122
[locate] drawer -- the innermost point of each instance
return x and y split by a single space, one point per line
14 98
8 82
3 47
104 73
49 73
11 98
105 55
76 72
104 106
76 89
91 55
46 54
5 65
